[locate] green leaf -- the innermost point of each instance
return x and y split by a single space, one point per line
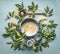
9 25
13 39
5 35
19 6
10 14
33 4
8 17
54 25
16 17
9 43
15 48
13 45
7 29
18 40
45 15
36 7
12 28
50 15
23 34
40 48
45 44
30 8
18 33
47 9
51 11
53 37
37 49
22 5
51 21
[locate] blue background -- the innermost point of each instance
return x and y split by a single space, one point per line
8 5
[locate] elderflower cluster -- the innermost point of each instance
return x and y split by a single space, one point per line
13 21
46 23
16 12
41 18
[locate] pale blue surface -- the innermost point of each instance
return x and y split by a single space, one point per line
8 5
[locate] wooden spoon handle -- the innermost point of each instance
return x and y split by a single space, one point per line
36 13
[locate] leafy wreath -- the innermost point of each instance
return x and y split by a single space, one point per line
45 34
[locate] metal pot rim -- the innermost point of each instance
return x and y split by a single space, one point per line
31 20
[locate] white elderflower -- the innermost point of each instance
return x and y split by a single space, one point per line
16 12
13 21
41 18
46 23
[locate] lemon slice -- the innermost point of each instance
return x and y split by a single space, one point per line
32 29
26 27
